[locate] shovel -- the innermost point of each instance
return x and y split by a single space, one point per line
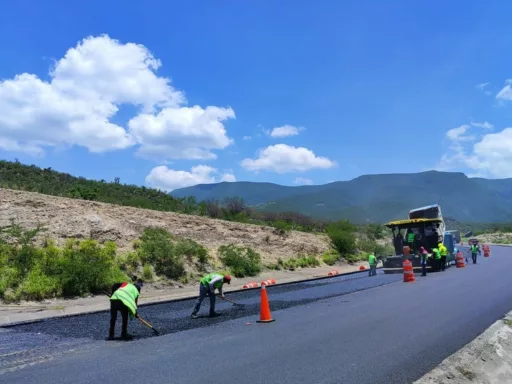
233 302
148 325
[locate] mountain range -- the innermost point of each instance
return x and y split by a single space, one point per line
374 198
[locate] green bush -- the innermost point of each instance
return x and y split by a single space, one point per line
342 242
38 286
88 267
367 245
351 258
307 261
190 249
242 261
147 273
330 258
156 247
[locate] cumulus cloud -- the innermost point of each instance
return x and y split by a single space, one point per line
303 181
284 131
86 89
166 179
489 154
282 158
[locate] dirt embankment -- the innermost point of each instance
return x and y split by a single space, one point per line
69 218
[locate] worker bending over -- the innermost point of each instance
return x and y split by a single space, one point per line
474 249
372 260
207 287
124 299
443 251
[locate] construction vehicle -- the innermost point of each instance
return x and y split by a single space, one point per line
425 227
456 235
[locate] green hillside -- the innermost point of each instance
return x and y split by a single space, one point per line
377 198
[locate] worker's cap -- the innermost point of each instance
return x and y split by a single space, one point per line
227 279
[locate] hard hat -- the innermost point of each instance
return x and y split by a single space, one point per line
227 279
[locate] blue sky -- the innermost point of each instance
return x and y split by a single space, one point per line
365 86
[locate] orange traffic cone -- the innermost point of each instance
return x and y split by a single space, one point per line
265 316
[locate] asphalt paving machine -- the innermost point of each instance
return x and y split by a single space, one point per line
409 235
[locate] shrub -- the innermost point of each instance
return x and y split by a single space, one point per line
367 245
156 248
330 258
190 249
342 242
307 261
242 261
88 267
38 286
147 273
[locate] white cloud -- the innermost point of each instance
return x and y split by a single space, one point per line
282 158
505 93
182 133
489 154
229 177
303 181
166 179
246 138
482 86
285 131
457 133
484 125
86 89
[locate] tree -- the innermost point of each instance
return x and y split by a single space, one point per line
234 205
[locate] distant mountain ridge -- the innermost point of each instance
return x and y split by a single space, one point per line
375 198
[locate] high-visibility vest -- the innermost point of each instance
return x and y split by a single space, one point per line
208 278
443 250
372 259
437 253
474 248
127 294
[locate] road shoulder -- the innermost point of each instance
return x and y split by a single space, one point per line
487 359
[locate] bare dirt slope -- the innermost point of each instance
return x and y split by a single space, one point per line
71 218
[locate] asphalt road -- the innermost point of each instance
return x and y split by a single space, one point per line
362 330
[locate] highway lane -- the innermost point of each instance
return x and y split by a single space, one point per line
391 334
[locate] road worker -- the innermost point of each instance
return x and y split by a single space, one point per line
125 297
474 249
424 256
437 259
207 287
372 260
443 251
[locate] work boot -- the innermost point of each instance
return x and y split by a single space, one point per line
110 335
193 316
127 337
214 314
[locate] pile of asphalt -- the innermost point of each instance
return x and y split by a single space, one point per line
172 317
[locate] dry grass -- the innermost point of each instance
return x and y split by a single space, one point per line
71 218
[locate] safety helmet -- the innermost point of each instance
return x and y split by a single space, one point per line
227 279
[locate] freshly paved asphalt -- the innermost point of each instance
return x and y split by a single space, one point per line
393 333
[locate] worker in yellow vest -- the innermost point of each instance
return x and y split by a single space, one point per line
444 252
124 299
207 286
372 261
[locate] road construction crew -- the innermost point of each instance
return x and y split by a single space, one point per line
474 250
424 256
437 259
124 299
207 287
443 251
372 260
